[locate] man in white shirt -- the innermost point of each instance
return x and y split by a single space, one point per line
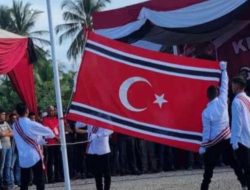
216 131
240 139
29 135
98 153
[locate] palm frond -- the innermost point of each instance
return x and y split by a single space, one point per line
76 6
70 16
76 47
39 32
66 26
71 32
41 41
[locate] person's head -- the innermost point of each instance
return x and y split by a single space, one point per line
238 84
245 72
22 110
2 114
32 116
189 50
12 117
212 92
51 111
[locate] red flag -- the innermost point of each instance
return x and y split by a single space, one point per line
150 95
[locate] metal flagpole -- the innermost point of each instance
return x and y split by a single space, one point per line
58 102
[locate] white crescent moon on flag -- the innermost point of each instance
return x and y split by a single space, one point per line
123 92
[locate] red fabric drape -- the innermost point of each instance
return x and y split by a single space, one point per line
22 79
14 61
11 53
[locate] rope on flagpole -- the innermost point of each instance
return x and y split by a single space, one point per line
66 144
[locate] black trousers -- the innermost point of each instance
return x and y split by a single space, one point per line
211 157
243 155
54 163
38 176
99 166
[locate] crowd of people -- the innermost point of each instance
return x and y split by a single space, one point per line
129 155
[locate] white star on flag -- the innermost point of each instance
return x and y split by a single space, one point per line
160 100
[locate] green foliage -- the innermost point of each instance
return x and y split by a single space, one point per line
8 97
46 90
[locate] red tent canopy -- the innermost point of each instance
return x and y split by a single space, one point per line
15 61
171 22
128 14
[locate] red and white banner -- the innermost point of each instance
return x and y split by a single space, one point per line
142 93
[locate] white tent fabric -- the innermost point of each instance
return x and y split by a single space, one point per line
194 15
190 16
6 34
148 45
121 31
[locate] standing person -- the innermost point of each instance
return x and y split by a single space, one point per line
29 135
240 139
216 131
15 168
53 156
98 153
245 73
6 156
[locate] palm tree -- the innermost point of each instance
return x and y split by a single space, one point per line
5 18
77 15
23 19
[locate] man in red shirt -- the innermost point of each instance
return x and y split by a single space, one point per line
53 153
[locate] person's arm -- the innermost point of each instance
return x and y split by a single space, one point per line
236 122
78 126
223 96
80 131
38 129
10 134
206 129
101 133
7 133
205 134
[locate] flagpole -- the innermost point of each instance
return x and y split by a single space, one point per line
58 102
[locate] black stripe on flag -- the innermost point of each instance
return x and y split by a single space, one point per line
134 125
152 65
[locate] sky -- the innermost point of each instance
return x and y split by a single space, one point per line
42 23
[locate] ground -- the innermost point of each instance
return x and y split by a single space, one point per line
223 179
